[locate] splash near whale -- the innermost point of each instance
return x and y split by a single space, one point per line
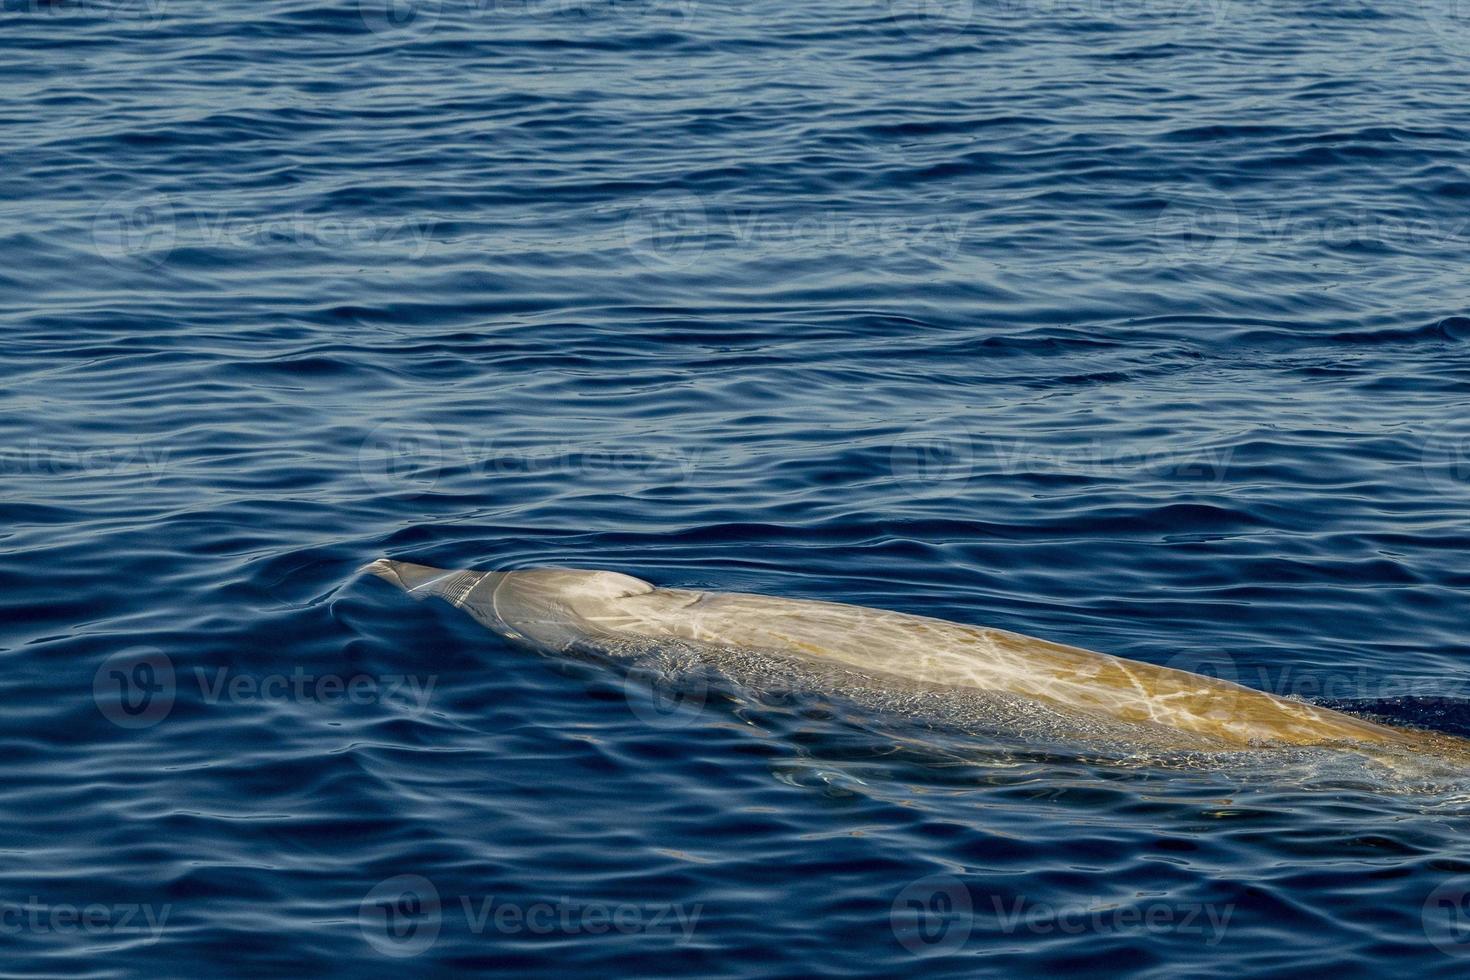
895 658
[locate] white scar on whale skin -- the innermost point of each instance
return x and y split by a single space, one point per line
562 609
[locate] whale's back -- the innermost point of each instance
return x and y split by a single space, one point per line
935 653
564 609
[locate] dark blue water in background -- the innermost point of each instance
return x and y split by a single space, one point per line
1138 325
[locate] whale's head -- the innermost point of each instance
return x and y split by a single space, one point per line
550 608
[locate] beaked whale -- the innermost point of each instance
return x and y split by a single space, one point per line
559 610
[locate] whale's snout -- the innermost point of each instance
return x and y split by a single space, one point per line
422 581
549 608
405 574
382 567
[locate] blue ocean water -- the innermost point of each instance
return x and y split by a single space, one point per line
1134 324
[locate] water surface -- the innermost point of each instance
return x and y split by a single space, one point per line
1139 326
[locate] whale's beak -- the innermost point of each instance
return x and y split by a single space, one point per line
422 581
417 580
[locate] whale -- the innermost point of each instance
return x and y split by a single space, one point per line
896 658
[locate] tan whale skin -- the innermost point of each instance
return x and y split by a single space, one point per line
557 609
